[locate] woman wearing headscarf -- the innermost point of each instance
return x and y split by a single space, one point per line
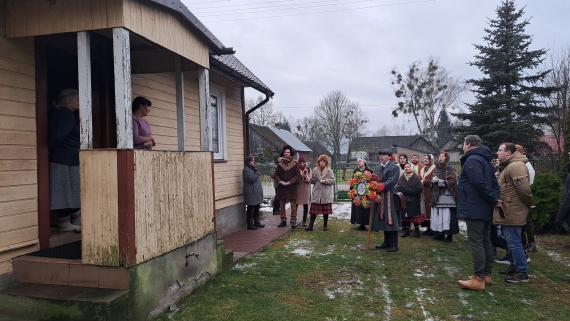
443 204
286 176
426 175
64 145
304 188
358 214
322 197
142 135
411 186
252 193
402 161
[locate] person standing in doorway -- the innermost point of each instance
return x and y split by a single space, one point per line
142 135
64 145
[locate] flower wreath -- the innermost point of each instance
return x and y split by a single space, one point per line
371 193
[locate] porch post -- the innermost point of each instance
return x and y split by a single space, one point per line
85 96
204 98
122 67
180 119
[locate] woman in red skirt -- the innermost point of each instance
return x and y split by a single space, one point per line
322 196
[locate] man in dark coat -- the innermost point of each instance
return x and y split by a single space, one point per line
387 218
477 194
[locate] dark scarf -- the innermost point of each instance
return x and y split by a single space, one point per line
443 171
252 167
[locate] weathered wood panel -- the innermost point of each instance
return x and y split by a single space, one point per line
6 257
99 207
18 164
166 28
173 200
38 17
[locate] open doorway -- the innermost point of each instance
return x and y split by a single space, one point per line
56 69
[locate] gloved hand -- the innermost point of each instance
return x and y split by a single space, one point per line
442 183
435 179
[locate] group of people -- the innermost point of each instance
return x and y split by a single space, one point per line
64 145
293 178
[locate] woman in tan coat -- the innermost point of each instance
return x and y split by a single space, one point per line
322 197
426 175
304 188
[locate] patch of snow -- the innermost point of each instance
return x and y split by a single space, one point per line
558 258
462 296
386 292
244 266
420 293
462 226
452 271
302 252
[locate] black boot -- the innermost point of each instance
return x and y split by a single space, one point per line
304 219
406 231
386 243
283 223
256 221
326 221
428 232
310 227
394 241
249 218
250 225
449 238
417 231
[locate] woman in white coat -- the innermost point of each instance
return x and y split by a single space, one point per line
322 196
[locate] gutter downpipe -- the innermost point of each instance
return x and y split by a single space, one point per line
246 119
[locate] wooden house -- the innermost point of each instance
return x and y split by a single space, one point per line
317 150
369 147
273 138
144 213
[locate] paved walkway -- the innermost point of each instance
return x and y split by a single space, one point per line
246 242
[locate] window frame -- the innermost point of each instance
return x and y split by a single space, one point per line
219 91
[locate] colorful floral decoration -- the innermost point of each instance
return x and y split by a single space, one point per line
373 190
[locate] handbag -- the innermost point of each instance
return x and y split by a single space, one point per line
446 200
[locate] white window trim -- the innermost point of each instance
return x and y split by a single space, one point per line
223 142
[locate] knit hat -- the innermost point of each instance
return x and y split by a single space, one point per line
248 159
301 159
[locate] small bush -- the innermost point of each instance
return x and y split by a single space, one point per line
546 193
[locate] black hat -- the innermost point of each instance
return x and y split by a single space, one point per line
385 151
248 159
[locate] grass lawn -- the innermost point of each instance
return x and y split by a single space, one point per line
329 276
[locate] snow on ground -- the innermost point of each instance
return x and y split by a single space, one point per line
558 258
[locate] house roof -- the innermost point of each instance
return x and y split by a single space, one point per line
179 7
230 66
317 147
281 137
375 144
551 141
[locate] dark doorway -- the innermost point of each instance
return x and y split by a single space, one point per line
56 69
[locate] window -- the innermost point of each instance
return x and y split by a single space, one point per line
217 113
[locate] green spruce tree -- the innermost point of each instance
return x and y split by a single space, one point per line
443 134
507 106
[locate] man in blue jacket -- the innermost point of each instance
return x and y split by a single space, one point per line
478 192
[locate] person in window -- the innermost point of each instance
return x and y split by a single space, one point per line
142 135
64 145
252 193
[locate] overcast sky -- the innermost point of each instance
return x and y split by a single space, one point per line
302 54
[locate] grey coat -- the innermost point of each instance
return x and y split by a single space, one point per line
389 176
322 193
252 190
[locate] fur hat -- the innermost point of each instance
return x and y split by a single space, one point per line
289 148
323 158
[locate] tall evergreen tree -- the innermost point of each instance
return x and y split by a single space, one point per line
443 133
507 106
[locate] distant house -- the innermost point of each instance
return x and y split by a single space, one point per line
554 148
453 148
317 150
263 137
369 147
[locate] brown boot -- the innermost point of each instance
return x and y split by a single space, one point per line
487 279
474 283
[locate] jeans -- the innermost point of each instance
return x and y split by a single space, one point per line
514 243
479 238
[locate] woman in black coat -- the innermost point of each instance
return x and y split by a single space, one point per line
411 186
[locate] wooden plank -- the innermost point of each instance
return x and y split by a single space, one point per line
17 165
99 14
122 67
13 237
18 251
11 193
85 95
18 207
228 201
180 116
17 153
126 207
17 67
12 137
17 94
17 178
204 97
32 18
99 207
114 13
15 53
17 123
16 222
